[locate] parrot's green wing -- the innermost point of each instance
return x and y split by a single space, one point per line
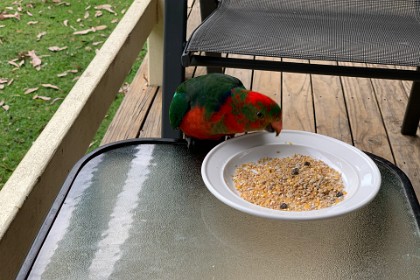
179 107
211 91
208 91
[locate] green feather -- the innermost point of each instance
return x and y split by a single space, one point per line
208 91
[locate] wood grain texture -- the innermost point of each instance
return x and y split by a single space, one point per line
268 83
392 100
153 123
133 110
330 109
297 101
365 117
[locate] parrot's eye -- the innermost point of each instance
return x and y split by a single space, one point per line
260 115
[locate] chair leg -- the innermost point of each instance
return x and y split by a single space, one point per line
173 72
206 8
412 112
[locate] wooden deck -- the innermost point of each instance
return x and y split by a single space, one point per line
366 113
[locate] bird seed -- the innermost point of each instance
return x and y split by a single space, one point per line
295 183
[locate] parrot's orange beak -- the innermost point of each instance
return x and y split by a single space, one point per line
275 126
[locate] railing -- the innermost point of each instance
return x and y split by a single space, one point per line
29 193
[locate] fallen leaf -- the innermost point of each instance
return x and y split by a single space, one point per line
32 22
6 107
50 86
45 98
86 15
10 82
40 35
97 43
92 29
13 62
66 22
66 72
55 100
9 16
30 90
29 13
57 49
124 88
83 32
35 60
98 13
2 86
100 27
1 102
3 80
105 7
115 20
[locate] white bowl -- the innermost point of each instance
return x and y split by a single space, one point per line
361 176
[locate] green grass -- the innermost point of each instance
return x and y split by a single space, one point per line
22 118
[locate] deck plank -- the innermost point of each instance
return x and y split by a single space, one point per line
365 117
153 123
297 102
133 109
330 108
392 100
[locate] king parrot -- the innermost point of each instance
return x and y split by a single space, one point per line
215 105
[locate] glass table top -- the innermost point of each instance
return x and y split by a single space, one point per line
140 210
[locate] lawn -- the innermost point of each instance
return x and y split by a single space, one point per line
45 45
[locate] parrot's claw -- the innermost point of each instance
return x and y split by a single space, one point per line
195 145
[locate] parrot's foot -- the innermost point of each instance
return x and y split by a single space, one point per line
195 145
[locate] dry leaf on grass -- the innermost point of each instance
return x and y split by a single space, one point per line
56 48
35 60
32 22
45 98
67 72
3 80
30 90
4 106
40 35
55 100
9 16
98 13
50 86
66 22
92 29
13 62
105 7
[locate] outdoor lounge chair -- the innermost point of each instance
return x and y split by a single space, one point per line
380 32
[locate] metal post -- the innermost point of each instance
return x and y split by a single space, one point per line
412 111
175 22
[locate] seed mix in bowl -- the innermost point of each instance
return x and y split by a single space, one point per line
295 183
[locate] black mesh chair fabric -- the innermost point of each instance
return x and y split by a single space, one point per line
369 31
